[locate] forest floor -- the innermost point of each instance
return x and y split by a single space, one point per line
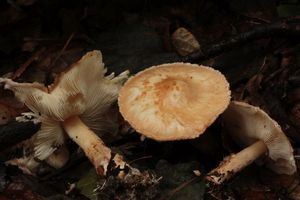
255 44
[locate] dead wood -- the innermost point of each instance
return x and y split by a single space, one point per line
287 27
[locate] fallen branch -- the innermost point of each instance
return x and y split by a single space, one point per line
288 27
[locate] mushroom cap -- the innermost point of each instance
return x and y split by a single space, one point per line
174 101
247 124
81 89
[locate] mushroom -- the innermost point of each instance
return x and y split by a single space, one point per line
27 164
252 127
174 101
30 165
58 158
25 160
75 104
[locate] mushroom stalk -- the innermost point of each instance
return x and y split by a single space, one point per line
94 148
236 162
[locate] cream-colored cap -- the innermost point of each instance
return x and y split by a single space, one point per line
174 101
247 124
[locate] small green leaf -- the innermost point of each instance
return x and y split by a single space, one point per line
87 184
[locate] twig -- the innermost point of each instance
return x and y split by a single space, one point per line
63 49
284 28
53 62
180 187
141 158
24 66
14 5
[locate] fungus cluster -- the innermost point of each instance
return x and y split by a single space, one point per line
166 102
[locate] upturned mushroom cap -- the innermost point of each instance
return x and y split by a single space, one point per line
174 101
76 91
81 90
247 124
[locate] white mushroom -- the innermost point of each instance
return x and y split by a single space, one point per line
174 101
59 157
30 165
74 104
252 128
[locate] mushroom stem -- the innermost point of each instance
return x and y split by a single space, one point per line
236 162
94 148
